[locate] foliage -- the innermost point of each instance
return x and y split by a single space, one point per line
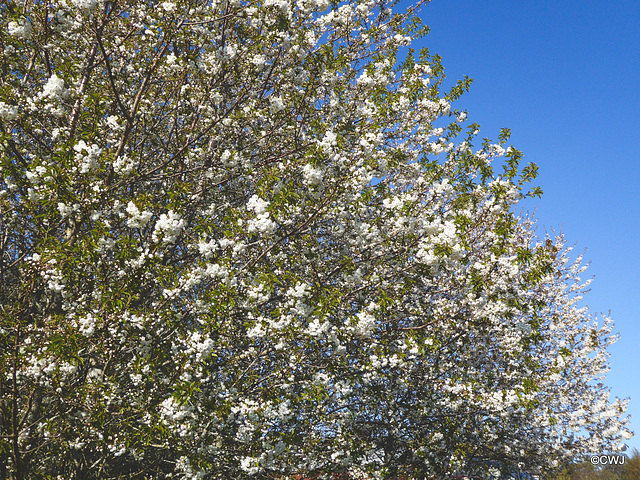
585 470
240 239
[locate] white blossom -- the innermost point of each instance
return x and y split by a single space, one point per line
169 225
85 4
54 88
312 175
8 112
277 104
20 29
87 156
137 219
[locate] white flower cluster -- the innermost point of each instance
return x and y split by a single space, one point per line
20 29
168 7
251 465
183 465
66 210
370 141
259 61
295 299
280 4
277 104
200 346
228 159
207 249
86 325
55 279
8 112
54 89
137 219
366 324
64 21
87 156
169 225
124 165
329 141
262 223
85 4
113 124
38 174
312 175
317 329
172 411
42 367
310 5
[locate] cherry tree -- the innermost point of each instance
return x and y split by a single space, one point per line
240 239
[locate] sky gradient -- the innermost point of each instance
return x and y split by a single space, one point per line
563 76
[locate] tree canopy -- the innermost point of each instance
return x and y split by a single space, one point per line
242 239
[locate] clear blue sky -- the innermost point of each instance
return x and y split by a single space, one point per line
564 76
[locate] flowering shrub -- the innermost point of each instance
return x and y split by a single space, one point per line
239 239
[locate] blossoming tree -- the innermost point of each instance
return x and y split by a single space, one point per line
240 239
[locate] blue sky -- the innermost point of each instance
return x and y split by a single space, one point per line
563 76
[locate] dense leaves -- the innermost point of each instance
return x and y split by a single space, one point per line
240 239
620 467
